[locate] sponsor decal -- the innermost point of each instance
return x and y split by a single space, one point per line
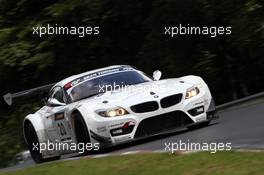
122 124
59 116
129 124
127 128
198 103
93 75
101 129
117 125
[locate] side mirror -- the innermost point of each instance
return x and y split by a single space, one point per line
156 75
54 102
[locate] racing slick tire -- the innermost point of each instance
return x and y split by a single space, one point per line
81 130
32 139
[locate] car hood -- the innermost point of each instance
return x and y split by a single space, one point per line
135 94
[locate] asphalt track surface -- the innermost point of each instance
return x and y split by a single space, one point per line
243 127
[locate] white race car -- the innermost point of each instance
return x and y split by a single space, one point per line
112 105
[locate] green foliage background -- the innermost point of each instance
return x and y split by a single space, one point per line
131 32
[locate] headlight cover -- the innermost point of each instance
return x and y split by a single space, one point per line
192 92
114 112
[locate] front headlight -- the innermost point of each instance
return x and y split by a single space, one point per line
119 111
192 92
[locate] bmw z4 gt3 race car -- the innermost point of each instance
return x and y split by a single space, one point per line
110 106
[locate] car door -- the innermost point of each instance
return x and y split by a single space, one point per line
59 130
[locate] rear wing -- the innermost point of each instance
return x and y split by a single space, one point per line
9 97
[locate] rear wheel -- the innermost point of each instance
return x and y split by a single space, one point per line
81 130
33 144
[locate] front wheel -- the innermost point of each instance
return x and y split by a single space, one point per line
33 144
81 130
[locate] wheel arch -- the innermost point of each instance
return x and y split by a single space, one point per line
37 124
82 112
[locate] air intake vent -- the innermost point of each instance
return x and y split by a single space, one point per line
145 107
170 100
162 123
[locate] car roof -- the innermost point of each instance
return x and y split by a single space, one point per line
73 77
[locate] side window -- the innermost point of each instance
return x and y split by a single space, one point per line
58 94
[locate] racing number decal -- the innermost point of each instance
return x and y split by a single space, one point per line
62 129
60 123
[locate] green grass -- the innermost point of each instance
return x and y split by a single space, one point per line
221 163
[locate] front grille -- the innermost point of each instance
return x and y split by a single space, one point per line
170 100
145 107
161 123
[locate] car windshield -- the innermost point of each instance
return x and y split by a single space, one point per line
106 83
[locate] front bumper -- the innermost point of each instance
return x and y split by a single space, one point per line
116 130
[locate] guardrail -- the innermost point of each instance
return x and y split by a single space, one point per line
239 101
